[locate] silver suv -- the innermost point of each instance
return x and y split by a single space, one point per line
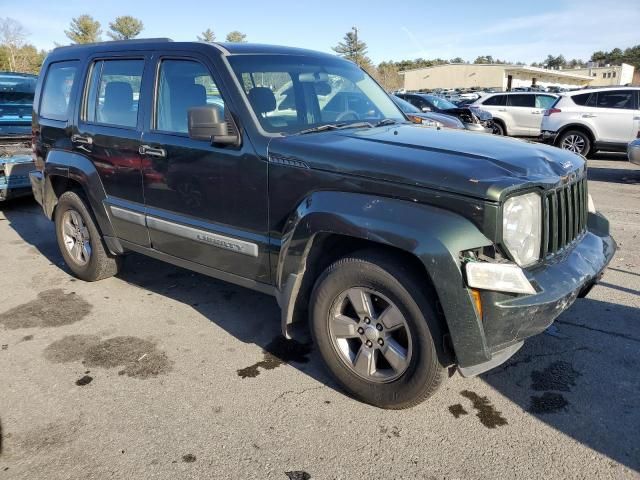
586 121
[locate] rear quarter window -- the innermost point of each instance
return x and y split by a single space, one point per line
583 99
58 87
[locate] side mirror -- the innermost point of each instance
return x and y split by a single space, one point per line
426 109
208 123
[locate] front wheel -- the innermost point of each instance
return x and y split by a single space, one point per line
377 331
498 129
79 241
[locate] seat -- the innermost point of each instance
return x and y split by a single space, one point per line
183 96
118 105
262 100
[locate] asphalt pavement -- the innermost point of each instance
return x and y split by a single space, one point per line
163 373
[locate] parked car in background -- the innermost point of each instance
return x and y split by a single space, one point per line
476 120
586 121
516 114
633 151
429 118
16 104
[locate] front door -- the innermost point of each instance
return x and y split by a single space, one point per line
207 204
109 133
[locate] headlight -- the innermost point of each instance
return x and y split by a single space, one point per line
521 227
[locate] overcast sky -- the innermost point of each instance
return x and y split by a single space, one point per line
394 30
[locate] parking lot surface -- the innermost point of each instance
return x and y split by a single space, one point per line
164 373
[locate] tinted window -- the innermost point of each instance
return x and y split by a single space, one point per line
616 99
183 84
581 99
497 100
544 101
56 94
114 92
522 100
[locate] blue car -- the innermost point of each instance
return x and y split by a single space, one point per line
16 104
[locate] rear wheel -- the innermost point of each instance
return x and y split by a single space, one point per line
377 331
79 241
498 129
575 141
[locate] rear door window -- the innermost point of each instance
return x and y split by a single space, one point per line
544 101
56 93
522 101
621 99
581 99
114 92
496 100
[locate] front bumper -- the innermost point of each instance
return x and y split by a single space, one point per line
36 178
548 137
508 319
14 177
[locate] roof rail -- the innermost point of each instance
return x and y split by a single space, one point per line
117 42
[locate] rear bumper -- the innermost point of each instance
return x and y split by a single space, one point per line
508 319
633 152
14 177
36 178
549 137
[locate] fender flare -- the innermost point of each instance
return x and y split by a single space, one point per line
434 235
77 167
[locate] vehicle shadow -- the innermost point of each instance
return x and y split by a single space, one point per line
581 378
614 174
251 317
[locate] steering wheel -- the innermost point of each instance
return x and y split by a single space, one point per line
347 113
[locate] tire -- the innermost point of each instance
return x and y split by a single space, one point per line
575 141
74 216
498 129
388 285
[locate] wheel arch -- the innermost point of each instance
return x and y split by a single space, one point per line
577 126
65 171
329 225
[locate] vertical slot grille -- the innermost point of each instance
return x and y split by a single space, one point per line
565 216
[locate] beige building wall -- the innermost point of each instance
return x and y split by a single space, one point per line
606 76
455 76
462 75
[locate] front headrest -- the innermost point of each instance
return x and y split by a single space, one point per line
262 99
117 95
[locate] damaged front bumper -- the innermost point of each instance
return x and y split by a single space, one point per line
14 176
508 319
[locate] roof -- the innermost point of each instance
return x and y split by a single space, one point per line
508 67
225 48
600 89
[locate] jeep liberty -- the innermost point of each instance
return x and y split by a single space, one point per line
410 251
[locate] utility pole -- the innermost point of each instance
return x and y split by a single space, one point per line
355 48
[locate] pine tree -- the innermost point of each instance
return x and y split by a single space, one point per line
84 29
125 27
207 36
352 48
236 37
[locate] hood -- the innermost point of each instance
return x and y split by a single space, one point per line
474 164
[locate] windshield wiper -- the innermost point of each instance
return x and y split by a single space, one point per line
339 126
386 121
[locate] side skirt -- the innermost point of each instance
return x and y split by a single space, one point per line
196 267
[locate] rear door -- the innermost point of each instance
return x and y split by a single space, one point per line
616 111
525 115
543 102
109 132
205 203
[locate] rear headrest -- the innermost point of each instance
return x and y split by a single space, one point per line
262 99
118 95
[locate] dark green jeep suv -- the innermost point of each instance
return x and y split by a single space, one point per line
409 250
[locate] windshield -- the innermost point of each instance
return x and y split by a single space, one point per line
405 106
440 103
293 93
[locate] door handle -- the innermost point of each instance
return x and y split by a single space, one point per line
152 152
81 139
502 109
589 115
536 112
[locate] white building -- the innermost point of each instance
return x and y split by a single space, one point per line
607 75
506 77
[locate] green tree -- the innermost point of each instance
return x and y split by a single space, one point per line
457 60
555 62
236 37
125 28
387 75
84 29
484 59
352 48
207 36
12 39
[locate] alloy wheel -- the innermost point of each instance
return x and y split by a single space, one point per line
370 335
573 143
76 237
